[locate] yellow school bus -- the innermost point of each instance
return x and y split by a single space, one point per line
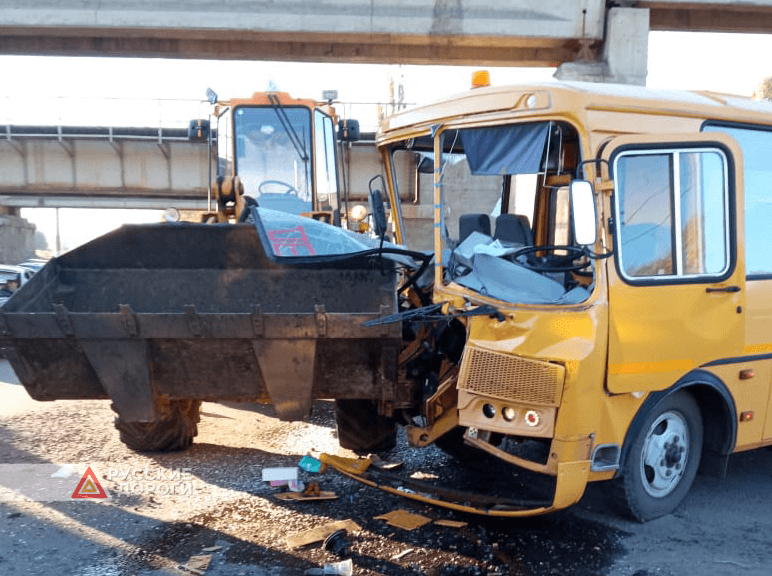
603 251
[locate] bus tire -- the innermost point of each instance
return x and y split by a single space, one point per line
662 460
174 430
362 429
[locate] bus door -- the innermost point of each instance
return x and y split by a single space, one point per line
677 279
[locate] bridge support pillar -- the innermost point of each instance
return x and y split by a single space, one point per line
17 239
625 51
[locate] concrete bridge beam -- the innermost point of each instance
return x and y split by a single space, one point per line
625 51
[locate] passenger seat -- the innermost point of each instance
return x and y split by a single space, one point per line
513 229
469 223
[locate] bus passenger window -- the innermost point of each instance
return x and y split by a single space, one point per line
672 210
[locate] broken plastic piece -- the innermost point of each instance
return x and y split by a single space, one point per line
350 465
344 568
336 543
296 486
383 464
404 519
321 532
311 464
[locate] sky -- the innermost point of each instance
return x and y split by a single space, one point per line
135 92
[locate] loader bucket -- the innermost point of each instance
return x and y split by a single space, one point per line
195 311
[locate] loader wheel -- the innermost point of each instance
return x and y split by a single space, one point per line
173 431
362 429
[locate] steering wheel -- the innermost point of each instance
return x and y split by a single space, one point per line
553 262
290 189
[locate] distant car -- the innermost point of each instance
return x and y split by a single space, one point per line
11 279
34 264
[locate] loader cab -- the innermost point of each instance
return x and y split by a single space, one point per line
283 152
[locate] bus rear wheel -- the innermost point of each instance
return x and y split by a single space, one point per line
663 459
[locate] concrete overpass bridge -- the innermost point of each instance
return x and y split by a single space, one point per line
88 167
587 39
148 168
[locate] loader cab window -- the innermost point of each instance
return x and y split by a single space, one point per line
273 156
505 206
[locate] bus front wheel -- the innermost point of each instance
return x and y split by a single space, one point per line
663 459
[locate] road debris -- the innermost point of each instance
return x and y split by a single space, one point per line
336 543
344 568
280 474
349 465
311 464
451 523
378 462
198 564
321 532
402 554
301 497
404 519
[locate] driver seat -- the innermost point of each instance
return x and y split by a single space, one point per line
513 229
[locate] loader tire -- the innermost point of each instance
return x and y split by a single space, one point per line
173 431
362 429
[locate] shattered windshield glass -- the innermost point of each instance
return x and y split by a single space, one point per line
287 236
273 156
505 215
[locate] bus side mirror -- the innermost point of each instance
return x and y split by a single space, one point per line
583 212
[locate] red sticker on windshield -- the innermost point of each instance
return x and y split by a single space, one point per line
292 238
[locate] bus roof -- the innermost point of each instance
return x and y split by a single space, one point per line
574 97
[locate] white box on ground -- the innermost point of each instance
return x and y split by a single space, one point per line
274 474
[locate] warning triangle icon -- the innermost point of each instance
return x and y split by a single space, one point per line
89 486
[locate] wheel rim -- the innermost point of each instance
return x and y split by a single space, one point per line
665 453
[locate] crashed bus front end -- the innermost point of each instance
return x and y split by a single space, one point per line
516 312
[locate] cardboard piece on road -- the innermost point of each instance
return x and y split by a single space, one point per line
450 523
301 497
404 519
321 532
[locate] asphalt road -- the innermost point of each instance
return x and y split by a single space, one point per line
724 527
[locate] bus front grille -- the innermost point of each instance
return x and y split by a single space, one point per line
509 377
